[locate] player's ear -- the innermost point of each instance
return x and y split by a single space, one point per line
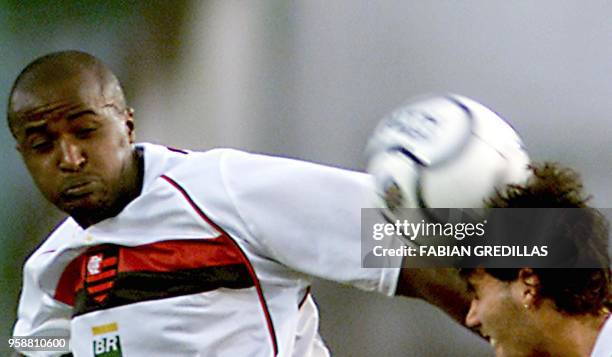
530 284
129 122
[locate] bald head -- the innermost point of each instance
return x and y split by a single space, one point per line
59 74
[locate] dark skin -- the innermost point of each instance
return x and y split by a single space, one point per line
442 287
77 146
75 136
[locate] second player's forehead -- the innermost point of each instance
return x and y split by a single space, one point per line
477 278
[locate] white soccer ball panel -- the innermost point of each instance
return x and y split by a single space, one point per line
432 131
444 152
466 181
491 128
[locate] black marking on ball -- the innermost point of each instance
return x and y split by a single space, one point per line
408 154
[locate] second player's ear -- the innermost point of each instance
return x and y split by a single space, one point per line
530 284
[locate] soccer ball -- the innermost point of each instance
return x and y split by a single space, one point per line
443 151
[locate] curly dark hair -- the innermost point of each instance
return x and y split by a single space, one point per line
573 290
550 186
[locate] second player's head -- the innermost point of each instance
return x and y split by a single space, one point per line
68 115
521 309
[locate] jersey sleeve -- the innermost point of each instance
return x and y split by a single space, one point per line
39 314
306 216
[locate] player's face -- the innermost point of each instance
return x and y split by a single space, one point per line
76 147
497 313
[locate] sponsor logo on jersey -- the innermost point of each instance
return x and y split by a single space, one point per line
106 342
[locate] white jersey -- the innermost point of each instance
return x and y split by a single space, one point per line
603 344
214 258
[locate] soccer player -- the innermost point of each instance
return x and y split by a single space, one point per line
546 312
176 253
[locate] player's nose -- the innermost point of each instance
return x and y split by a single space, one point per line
471 319
71 156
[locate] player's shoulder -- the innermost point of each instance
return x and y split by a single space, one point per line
160 159
249 163
227 166
191 164
215 156
258 170
60 238
164 159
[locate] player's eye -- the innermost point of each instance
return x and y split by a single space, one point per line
472 291
85 132
40 144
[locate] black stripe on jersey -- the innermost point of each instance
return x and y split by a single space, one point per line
137 286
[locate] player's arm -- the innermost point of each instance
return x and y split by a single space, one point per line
309 219
306 217
442 287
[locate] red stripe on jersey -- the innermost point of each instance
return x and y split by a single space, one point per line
101 276
245 259
159 257
100 287
70 281
178 254
108 262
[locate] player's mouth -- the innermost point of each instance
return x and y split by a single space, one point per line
75 189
